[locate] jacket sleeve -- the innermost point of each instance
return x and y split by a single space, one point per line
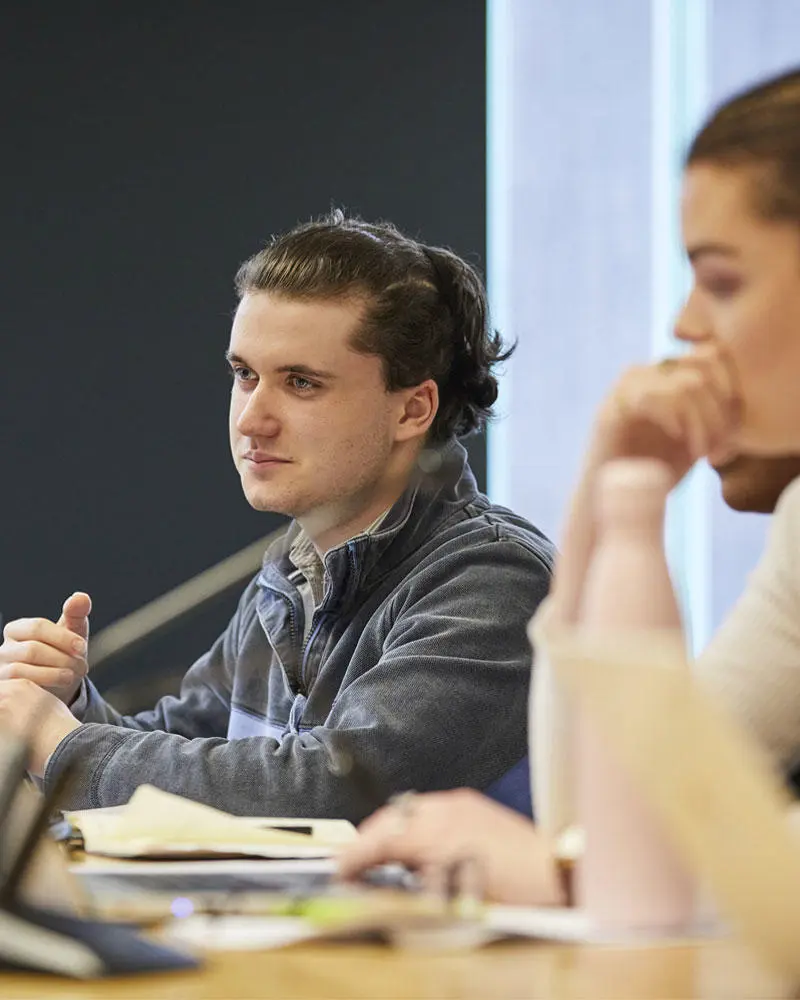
752 663
203 707
443 705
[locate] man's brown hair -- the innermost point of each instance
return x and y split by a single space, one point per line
425 315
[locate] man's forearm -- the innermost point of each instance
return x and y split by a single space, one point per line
255 776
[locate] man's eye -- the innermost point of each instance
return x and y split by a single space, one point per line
241 374
301 383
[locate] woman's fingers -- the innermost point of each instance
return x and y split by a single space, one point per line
438 829
677 411
399 833
704 416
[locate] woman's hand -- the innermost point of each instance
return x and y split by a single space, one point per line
439 828
678 411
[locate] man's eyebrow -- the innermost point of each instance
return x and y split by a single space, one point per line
703 249
299 369
306 370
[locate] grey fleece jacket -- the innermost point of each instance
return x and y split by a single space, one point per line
416 668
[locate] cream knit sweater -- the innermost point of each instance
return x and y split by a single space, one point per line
752 663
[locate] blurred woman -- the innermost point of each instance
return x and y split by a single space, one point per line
736 391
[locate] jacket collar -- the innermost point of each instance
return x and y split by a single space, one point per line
442 483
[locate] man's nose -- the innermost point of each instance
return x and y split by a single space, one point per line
258 417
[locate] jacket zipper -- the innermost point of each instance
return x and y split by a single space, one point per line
316 627
311 636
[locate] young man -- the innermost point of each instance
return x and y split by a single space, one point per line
382 647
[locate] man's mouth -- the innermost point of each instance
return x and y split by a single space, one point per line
262 458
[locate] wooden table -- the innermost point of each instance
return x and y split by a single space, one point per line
711 970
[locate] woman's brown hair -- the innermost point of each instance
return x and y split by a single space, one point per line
759 128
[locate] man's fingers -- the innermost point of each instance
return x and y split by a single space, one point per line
40 654
44 631
75 614
45 677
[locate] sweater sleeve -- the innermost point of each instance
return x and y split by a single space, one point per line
752 663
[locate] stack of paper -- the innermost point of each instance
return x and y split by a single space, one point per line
158 824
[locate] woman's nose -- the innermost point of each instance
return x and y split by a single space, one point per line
691 326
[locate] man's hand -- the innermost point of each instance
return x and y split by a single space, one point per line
37 716
50 654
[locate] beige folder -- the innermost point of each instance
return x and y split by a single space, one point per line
715 791
159 824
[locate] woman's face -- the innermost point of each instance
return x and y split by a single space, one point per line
746 295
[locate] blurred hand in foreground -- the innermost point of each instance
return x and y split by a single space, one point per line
439 828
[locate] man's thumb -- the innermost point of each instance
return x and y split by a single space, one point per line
75 614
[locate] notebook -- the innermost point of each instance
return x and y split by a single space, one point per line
155 823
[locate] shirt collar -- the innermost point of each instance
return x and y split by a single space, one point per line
303 553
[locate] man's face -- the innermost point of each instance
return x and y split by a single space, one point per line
752 484
312 425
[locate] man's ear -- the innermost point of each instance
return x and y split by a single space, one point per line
420 406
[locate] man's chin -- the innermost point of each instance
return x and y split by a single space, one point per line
268 503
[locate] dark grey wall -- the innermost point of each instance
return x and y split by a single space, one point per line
145 152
